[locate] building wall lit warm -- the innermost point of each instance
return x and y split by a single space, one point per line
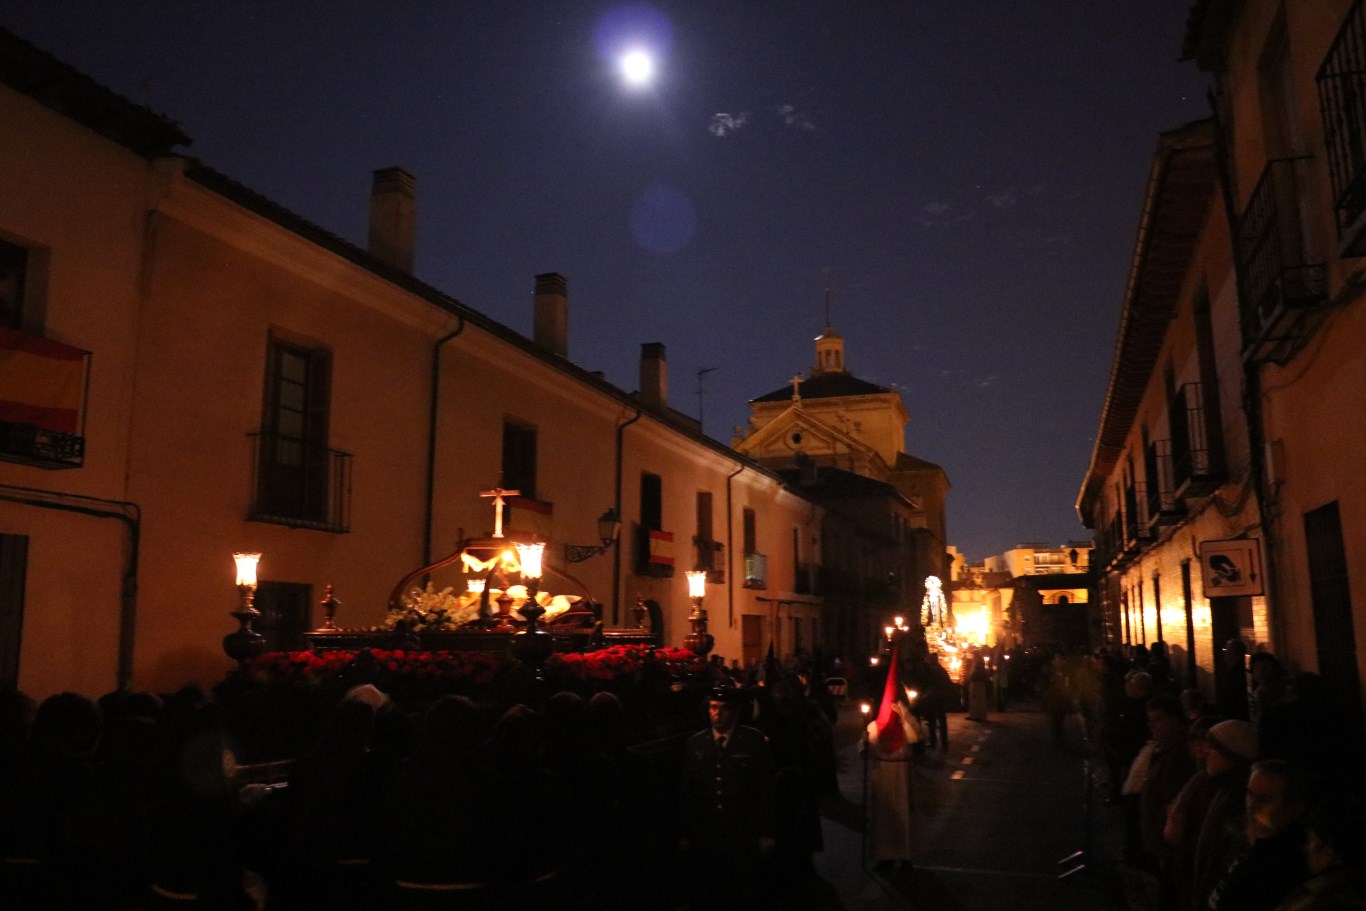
1033 595
255 383
841 440
1225 500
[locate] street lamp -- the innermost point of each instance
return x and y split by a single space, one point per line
609 526
699 641
245 643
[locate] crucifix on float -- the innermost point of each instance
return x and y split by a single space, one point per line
498 493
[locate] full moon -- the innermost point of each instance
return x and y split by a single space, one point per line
637 67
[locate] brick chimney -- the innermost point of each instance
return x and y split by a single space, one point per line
551 330
654 376
393 218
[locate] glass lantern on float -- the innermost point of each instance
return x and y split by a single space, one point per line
699 641
245 643
532 646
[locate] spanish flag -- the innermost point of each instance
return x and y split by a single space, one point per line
661 544
891 736
528 515
42 382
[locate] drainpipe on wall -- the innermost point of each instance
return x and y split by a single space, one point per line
730 546
616 551
130 514
431 439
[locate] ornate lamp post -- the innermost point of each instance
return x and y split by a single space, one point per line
245 643
699 641
532 645
609 526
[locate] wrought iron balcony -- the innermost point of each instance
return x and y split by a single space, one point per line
1279 282
654 552
711 558
300 484
1110 542
1163 507
1136 531
43 389
1342 104
756 571
41 448
1193 468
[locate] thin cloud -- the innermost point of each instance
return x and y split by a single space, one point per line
1002 200
723 123
942 213
799 120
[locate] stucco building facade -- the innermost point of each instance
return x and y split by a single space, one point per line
245 381
1222 484
842 441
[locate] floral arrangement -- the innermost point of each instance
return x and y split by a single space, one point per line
459 670
325 668
429 609
276 701
621 661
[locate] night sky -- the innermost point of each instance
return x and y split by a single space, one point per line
964 176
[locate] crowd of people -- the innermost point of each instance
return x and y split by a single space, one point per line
132 801
1250 801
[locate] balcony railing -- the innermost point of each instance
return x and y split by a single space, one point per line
711 558
654 552
756 571
1193 466
43 389
1278 282
1135 516
300 484
42 448
1110 541
1342 105
1163 506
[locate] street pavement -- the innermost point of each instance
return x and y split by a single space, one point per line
997 814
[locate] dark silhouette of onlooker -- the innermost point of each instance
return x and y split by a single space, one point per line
1232 750
333 810
437 830
1273 861
1230 682
1335 849
1170 766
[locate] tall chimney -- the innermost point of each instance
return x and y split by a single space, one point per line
393 218
654 376
551 330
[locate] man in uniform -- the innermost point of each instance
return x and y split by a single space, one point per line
727 804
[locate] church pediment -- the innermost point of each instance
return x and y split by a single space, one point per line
796 431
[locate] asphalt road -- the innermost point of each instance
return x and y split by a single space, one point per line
997 812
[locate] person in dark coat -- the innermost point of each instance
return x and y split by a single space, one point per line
727 805
1274 862
1335 848
798 739
1169 769
1232 750
1230 682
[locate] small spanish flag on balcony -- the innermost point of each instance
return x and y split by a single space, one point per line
528 515
42 382
661 545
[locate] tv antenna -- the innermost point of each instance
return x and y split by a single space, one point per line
700 392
